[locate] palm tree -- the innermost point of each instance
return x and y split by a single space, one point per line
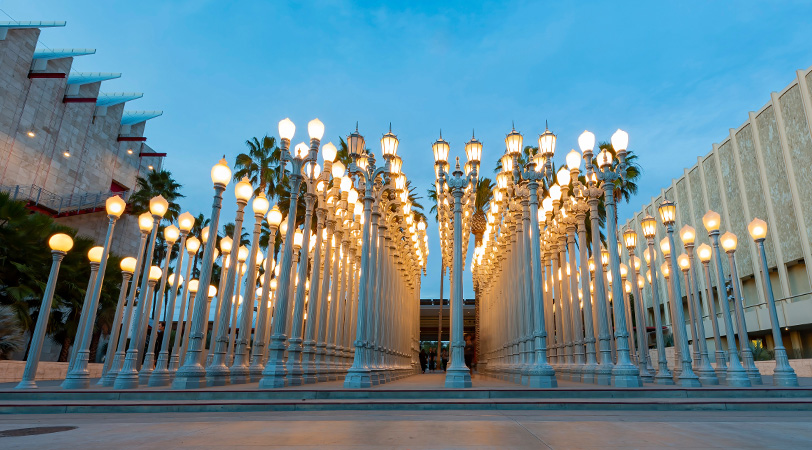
157 182
261 165
484 195
417 207
201 222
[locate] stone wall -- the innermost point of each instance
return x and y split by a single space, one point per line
761 169
12 371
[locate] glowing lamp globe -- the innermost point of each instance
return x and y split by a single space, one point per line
275 216
171 234
683 261
555 192
547 144
668 212
154 273
604 159
115 206
473 150
60 242
620 140
212 291
389 144
185 222
338 170
145 222
687 234
297 239
243 190
260 204
128 264
192 245
352 196
346 184
171 279
95 254
665 247
193 285
220 173
315 129
440 149
757 229
573 160
705 252
586 141
729 241
563 177
225 244
712 221
158 206
649 226
665 270
329 152
301 150
204 234
286 129
630 238
242 253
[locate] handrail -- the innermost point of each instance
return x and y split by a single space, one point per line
59 204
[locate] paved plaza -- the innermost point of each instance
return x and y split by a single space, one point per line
416 430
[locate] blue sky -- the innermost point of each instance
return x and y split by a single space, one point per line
675 75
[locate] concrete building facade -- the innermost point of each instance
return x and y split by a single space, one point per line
65 145
761 169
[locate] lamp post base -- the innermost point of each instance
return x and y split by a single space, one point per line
626 376
603 375
190 377
457 378
160 377
737 378
358 379
664 378
542 376
218 375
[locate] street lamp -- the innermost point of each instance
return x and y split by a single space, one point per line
630 239
274 218
127 268
687 377
60 244
663 376
736 374
784 374
192 374
705 253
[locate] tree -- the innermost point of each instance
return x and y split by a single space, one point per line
484 195
157 182
262 165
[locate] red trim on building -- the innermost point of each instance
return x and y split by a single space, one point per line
46 75
152 155
78 100
131 139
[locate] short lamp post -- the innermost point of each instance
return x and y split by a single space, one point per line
60 245
784 374
127 268
705 253
630 239
663 376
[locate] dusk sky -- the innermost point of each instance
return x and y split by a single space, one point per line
675 75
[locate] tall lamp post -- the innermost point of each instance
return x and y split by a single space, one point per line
630 239
663 376
127 268
784 374
60 245
192 374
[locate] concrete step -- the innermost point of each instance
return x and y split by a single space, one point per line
246 405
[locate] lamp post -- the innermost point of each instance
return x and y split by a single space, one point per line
274 218
128 376
192 374
663 376
359 375
239 369
457 374
79 377
784 375
630 239
704 252
274 374
145 226
624 374
184 316
707 376
127 268
60 244
171 235
687 377
94 256
729 243
736 375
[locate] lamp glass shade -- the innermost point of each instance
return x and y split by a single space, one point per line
283 228
329 152
171 234
286 129
395 165
704 252
729 241
624 270
337 169
204 235
665 247
513 143
260 257
683 261
95 254
212 291
630 238
355 143
547 144
242 253
275 216
712 220
346 184
507 163
665 269
260 204
628 286
243 190
563 177
668 212
604 158
158 206
193 285
128 264
315 129
154 273
502 180
555 192
297 239
389 144
547 204
635 261
192 245
440 149
362 161
586 141
352 196
226 244
186 222
573 160
220 173
649 226
301 150
757 229
145 222
115 206
688 234
172 277
620 140
647 255
473 150
604 256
